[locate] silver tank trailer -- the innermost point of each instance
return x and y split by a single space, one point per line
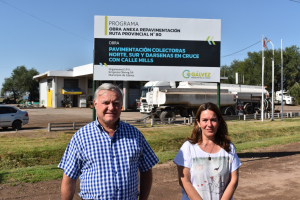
189 97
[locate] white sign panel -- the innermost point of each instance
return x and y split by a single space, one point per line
164 49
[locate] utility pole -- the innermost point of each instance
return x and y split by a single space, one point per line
281 82
262 77
272 118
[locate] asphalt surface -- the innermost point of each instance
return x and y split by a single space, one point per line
40 117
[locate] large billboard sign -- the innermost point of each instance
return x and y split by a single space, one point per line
157 49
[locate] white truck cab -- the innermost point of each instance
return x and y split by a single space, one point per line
287 99
162 85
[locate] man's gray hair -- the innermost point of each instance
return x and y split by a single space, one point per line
108 87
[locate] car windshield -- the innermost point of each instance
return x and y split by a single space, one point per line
144 92
286 94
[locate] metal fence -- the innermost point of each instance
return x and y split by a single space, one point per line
65 126
156 121
278 115
171 121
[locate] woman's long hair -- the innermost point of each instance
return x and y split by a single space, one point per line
221 138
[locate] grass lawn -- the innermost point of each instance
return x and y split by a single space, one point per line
32 157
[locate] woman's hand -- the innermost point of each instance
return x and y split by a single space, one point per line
232 185
184 178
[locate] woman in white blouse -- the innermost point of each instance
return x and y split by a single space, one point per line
207 163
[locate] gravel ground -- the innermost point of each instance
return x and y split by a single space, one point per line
269 173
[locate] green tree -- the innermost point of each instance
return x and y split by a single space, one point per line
20 82
291 66
295 92
8 86
251 68
230 71
226 71
33 85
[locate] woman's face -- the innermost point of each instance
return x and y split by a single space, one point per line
208 123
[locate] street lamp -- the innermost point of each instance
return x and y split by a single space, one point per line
262 78
272 118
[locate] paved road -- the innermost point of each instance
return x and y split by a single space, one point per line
40 117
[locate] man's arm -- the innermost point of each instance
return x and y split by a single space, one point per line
68 186
145 184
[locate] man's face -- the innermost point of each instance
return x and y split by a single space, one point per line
108 106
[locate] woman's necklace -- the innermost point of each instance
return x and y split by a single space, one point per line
209 158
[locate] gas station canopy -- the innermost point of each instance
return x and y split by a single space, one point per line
71 91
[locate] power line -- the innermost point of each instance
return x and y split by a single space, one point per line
295 1
242 49
45 21
92 41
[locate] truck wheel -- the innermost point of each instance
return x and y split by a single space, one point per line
194 112
284 103
165 115
248 108
229 111
17 125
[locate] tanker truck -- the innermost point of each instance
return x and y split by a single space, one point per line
148 87
248 97
187 97
184 102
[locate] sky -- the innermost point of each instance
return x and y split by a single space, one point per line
59 35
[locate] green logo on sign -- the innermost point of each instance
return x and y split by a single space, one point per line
186 74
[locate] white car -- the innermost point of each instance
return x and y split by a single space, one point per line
12 117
